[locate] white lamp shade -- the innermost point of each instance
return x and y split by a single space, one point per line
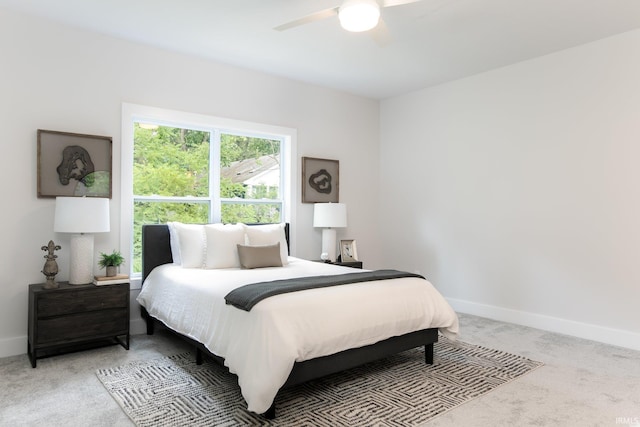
81 215
330 215
359 15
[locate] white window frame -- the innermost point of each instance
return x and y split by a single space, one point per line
139 113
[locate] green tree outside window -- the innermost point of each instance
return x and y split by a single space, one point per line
172 179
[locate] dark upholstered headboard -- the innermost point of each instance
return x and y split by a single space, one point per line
156 246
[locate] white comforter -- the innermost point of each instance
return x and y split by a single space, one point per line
261 346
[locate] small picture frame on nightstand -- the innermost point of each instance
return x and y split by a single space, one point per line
348 251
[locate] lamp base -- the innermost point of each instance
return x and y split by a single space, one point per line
81 259
329 243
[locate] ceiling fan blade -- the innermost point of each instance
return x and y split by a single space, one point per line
317 16
389 3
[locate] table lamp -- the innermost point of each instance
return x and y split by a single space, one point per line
81 215
329 216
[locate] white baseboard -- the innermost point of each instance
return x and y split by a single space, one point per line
13 347
18 345
601 334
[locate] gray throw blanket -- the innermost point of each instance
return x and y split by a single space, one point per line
245 297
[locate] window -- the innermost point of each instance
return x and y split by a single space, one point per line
198 169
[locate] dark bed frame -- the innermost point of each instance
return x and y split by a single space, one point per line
156 250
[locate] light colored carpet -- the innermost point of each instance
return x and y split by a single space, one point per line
582 383
397 391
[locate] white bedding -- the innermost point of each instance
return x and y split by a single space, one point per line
261 346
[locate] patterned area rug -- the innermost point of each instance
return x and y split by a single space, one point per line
398 391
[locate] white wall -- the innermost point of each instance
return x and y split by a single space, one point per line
517 191
59 78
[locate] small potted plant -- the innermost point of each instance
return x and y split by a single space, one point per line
111 262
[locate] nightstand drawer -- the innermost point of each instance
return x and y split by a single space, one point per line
66 329
82 300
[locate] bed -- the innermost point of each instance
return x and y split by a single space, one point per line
290 338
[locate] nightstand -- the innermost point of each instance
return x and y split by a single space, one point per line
352 264
76 317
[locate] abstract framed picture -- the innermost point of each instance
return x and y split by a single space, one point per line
320 180
73 164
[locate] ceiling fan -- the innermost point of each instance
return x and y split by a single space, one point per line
354 15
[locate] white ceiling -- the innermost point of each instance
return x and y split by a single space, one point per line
428 43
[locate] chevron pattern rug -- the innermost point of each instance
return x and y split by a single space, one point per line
397 391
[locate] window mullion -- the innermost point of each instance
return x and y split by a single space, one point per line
215 207
171 199
252 201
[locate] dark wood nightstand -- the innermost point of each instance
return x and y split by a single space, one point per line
76 317
352 264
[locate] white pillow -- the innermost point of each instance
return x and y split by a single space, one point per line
222 245
192 243
174 239
268 234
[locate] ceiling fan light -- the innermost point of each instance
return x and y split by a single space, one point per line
359 15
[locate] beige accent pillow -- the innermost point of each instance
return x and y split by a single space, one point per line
259 256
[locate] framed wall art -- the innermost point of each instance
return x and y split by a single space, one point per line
320 180
73 164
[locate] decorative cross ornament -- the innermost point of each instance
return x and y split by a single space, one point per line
50 268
